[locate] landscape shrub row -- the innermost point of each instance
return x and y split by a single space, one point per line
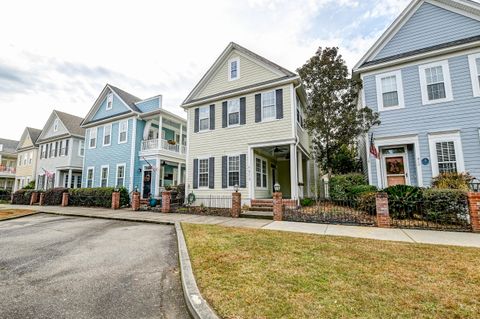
22 197
53 197
97 197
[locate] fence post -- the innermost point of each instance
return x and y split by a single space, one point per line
115 200
136 201
166 200
474 208
277 206
236 205
42 199
34 198
383 215
65 197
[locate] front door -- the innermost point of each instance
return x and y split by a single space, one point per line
395 170
147 184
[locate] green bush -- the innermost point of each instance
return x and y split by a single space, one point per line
22 197
306 202
5 192
445 205
403 200
367 202
340 185
54 196
97 197
358 190
459 181
30 185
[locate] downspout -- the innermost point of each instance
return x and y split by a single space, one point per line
297 141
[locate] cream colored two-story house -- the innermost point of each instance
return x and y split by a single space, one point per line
27 154
8 160
245 129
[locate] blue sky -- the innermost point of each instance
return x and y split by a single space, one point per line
59 54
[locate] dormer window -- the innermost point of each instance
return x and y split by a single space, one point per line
55 125
109 101
234 69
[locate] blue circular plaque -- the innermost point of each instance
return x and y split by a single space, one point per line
425 161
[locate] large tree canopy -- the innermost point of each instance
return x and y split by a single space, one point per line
333 117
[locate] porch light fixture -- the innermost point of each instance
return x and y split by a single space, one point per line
139 169
276 187
235 188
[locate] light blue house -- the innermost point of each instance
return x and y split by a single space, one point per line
423 77
133 143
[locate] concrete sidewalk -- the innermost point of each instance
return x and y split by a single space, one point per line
391 234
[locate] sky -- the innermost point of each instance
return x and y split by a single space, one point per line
60 54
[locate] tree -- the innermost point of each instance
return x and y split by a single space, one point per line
332 116
346 160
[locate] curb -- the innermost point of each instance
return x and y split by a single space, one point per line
197 306
135 220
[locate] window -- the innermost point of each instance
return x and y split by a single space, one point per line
204 118
435 82
233 112
30 158
109 101
261 172
93 138
55 125
268 106
25 159
90 172
234 69
107 135
20 160
233 171
1 147
300 114
53 149
446 153
42 151
474 61
389 91
120 175
122 135
104 177
81 148
203 173
79 181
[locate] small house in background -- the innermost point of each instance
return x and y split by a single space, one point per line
8 163
27 153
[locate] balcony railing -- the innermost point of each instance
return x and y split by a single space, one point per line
157 144
7 169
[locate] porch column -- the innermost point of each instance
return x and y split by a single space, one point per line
70 178
160 124
309 179
157 178
181 138
293 172
251 169
179 173
300 173
56 179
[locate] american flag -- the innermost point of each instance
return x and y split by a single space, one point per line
373 149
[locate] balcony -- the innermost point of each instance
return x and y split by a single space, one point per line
160 144
7 171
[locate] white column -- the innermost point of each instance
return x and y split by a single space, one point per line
309 178
57 178
300 173
251 169
160 124
157 178
70 178
181 139
293 172
179 172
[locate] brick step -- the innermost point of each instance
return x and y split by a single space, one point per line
257 214
261 209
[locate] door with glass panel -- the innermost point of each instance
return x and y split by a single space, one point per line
395 166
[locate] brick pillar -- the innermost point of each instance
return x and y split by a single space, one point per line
474 208
42 199
166 200
383 215
277 207
115 200
34 198
65 197
136 201
236 205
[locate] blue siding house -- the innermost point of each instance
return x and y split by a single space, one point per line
423 77
133 143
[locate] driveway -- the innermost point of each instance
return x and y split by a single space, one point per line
73 267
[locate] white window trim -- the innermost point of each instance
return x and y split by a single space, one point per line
262 159
101 171
474 73
228 113
401 99
199 118
237 59
446 78
124 174
274 118
208 172
109 99
104 130
119 131
90 137
445 137
80 148
55 125
93 176
228 170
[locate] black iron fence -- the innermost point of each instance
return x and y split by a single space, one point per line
203 205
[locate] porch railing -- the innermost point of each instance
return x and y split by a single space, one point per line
161 144
6 169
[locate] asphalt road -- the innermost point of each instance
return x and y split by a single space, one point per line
68 267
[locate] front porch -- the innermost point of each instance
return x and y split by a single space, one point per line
67 177
159 173
164 133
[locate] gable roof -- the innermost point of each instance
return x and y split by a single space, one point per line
9 146
34 134
128 98
234 46
69 121
467 8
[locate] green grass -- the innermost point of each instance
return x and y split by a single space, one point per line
247 273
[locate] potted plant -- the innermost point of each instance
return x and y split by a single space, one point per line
153 201
172 142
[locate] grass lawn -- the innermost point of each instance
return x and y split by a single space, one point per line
247 273
9 213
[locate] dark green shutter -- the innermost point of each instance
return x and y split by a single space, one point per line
211 172
224 114
258 108
243 108
197 120
212 116
243 170
224 171
195 173
279 99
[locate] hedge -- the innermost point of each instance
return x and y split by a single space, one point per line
340 186
53 197
22 197
97 197
445 205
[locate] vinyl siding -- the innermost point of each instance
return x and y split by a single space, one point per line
460 114
118 107
49 132
29 169
250 73
149 105
430 25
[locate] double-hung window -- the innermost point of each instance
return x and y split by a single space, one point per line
435 82
446 153
120 175
90 174
20 160
107 135
81 148
261 172
93 138
233 112
123 129
104 176
25 159
203 172
30 159
269 111
447 160
390 91
204 118
233 171
474 61
234 69
109 101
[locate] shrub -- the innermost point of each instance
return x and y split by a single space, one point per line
367 202
22 197
403 200
54 196
124 197
452 181
5 192
305 202
97 197
445 205
30 185
358 190
341 185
